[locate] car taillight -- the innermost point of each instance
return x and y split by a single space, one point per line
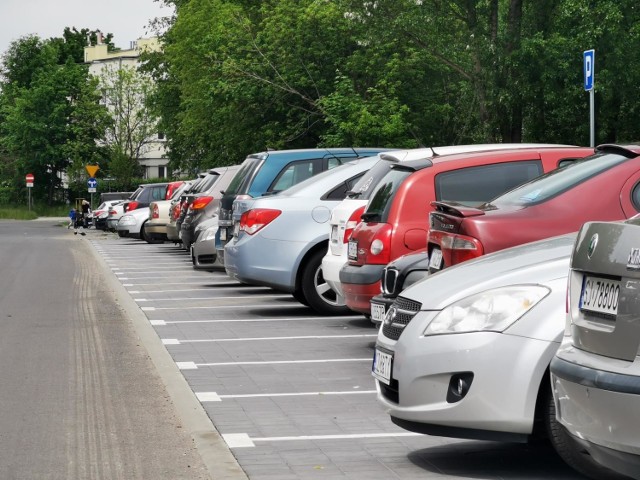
131 206
155 211
176 211
254 220
113 212
352 223
380 248
459 248
200 202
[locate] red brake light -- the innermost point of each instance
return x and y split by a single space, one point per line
172 187
200 202
176 211
132 206
352 223
112 212
458 248
254 220
155 211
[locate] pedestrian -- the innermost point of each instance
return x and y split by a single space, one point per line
85 214
72 218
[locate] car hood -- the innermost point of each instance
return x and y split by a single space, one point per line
531 263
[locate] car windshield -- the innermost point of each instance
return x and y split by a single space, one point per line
380 203
558 181
241 181
206 183
366 185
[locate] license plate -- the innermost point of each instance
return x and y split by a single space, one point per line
599 295
435 261
335 234
236 229
223 234
377 312
381 368
352 251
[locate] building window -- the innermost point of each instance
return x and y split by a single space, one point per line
160 135
161 172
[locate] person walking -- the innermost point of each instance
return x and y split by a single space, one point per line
85 213
72 218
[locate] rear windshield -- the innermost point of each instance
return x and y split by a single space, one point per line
206 184
241 181
367 184
559 181
382 196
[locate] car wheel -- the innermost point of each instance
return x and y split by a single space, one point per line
571 451
121 233
300 297
316 290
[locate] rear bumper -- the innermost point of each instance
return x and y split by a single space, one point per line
331 266
360 284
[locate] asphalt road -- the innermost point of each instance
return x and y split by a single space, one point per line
118 359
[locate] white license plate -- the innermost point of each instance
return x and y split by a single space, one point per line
236 229
599 295
335 234
381 368
377 312
435 261
223 234
352 251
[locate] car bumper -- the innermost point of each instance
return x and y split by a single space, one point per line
260 261
359 285
172 232
501 398
331 265
379 306
599 407
204 256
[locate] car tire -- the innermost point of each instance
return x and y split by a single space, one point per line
300 297
571 451
316 290
121 234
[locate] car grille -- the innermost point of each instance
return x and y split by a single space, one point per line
405 310
206 259
391 391
389 279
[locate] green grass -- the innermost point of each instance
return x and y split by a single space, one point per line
17 213
23 213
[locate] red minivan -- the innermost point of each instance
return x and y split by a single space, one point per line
602 187
395 221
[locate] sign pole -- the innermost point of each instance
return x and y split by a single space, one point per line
29 198
592 118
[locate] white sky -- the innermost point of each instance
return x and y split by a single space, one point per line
128 20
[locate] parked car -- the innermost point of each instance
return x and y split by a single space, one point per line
203 249
131 224
145 194
101 214
175 209
601 187
155 230
346 215
596 372
395 221
269 172
115 212
465 353
282 238
204 203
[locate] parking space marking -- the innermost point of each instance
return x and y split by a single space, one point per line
157 277
190 299
258 320
214 397
195 366
169 268
175 341
203 281
222 307
243 440
208 289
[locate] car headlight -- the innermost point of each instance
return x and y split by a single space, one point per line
127 220
209 234
492 310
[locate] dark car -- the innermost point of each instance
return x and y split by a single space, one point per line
395 220
203 204
145 194
273 171
604 187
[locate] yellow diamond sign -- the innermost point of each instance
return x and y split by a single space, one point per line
92 169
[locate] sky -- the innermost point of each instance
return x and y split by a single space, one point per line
128 20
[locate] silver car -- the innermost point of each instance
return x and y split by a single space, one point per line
596 373
203 251
281 240
465 352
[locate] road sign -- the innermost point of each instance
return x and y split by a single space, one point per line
92 170
589 69
92 183
29 178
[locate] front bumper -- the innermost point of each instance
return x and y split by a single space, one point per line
204 256
503 373
599 407
360 284
384 305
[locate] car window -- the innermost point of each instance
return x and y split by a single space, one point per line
294 173
245 174
380 203
475 185
364 188
333 162
135 194
560 180
159 193
340 192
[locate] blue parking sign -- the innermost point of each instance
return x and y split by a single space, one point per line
589 69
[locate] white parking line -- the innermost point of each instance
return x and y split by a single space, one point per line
243 440
214 397
223 307
258 320
235 297
194 366
157 277
208 289
175 341
224 281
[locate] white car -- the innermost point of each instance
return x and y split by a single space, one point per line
465 352
346 215
131 224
